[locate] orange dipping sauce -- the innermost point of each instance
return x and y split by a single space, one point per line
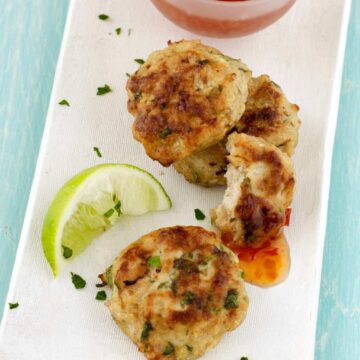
267 264
223 18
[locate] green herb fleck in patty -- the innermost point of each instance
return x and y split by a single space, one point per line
186 265
188 298
231 300
155 261
146 331
169 349
165 133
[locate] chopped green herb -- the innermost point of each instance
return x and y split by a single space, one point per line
137 95
244 358
67 252
78 281
13 305
186 265
169 349
188 298
139 61
117 208
195 177
146 331
241 274
206 260
97 151
127 74
64 102
109 213
190 348
215 310
101 295
108 276
231 301
129 31
103 90
155 262
199 214
163 284
103 17
277 85
118 31
165 133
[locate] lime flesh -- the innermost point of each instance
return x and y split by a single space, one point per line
91 202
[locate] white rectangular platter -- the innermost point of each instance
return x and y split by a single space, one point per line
303 53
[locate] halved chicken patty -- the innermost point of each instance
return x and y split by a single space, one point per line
260 186
176 291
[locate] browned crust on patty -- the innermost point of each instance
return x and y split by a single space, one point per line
261 183
184 99
197 293
270 115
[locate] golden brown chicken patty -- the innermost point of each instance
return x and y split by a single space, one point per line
268 114
260 186
186 98
176 291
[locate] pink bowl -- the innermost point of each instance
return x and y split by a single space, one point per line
223 18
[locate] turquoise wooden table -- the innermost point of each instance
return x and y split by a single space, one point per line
31 33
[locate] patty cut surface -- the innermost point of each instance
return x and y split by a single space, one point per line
176 291
260 186
206 168
186 98
268 114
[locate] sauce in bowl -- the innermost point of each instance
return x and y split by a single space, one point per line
223 18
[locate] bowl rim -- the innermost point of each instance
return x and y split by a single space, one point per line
230 4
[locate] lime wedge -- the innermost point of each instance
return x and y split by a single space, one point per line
91 202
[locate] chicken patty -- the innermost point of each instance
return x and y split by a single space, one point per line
176 291
268 115
260 186
186 98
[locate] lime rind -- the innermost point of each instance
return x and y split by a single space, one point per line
89 196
